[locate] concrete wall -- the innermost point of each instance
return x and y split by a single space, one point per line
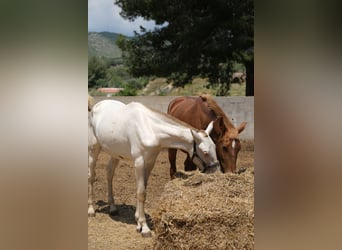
237 108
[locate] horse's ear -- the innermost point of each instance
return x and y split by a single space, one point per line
219 125
209 128
204 98
241 127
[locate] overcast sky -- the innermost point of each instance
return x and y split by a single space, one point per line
103 15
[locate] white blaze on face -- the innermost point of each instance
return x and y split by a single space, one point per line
233 144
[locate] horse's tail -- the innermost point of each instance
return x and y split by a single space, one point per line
90 102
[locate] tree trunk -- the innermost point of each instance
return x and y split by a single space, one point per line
249 77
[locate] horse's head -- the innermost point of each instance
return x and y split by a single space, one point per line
204 151
227 144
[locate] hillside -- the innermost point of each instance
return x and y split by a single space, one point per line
159 86
103 44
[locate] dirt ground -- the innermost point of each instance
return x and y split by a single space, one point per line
118 232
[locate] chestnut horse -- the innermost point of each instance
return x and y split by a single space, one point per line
199 112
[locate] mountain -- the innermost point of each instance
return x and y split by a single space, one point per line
103 44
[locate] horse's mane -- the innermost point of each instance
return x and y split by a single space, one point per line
173 119
212 104
164 116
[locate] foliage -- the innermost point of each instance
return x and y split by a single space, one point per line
105 67
102 75
109 61
96 72
196 38
130 89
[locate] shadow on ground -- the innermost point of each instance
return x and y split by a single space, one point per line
125 213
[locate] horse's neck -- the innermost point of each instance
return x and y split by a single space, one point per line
182 140
174 135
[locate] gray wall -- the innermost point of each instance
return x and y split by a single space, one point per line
239 108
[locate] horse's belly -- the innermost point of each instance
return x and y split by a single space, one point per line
115 144
118 152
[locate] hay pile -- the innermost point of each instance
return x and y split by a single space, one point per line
206 212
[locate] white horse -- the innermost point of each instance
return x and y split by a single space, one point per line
136 132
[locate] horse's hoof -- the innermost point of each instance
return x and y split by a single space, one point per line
91 212
138 229
146 234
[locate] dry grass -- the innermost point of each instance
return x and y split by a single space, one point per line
206 212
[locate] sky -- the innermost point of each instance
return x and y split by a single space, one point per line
103 15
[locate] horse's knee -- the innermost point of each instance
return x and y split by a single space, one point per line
141 196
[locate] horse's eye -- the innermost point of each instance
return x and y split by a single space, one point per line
225 148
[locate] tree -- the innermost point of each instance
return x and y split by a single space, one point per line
196 38
96 72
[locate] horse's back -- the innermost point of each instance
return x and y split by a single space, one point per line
180 103
121 129
191 110
119 115
106 106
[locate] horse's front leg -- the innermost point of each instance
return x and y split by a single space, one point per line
110 173
189 165
172 160
93 152
142 172
141 197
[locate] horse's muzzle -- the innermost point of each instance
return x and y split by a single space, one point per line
212 168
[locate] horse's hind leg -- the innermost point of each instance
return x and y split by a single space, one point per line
93 153
110 173
172 160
